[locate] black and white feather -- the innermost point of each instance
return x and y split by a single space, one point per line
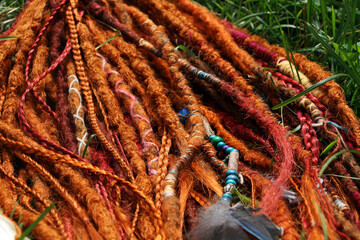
220 222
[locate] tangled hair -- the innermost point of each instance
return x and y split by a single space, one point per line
102 113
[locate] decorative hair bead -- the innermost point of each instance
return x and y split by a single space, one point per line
211 137
224 148
220 145
183 115
229 150
231 172
227 197
215 140
232 177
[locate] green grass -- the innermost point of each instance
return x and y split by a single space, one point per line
9 9
324 30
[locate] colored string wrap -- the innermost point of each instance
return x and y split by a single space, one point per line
233 159
153 119
78 115
305 67
137 114
237 98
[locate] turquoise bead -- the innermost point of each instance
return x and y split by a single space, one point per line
230 181
220 145
232 177
216 140
211 137
227 195
231 172
227 198
229 150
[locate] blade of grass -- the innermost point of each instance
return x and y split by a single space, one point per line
19 221
7 38
333 20
328 147
327 163
316 85
273 159
324 15
87 144
286 45
36 222
16 203
293 131
182 47
323 222
108 40
354 74
335 175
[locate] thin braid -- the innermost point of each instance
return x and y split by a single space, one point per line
42 230
200 199
156 112
335 98
51 180
197 133
249 155
138 116
46 155
28 63
162 172
210 152
174 20
16 84
154 88
127 134
44 202
85 87
282 216
62 104
186 183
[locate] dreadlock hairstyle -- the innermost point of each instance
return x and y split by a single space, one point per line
132 138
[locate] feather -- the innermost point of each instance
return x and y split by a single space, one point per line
220 222
215 223
259 226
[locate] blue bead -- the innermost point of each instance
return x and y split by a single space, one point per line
183 114
226 199
229 150
211 137
232 177
226 195
220 145
230 181
231 172
224 147
236 150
